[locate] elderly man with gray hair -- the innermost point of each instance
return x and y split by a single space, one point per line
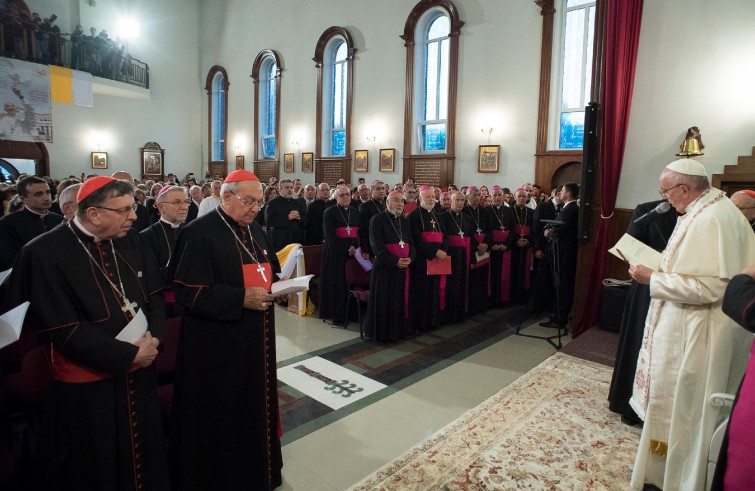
67 200
690 349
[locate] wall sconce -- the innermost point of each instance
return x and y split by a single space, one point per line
371 140
237 149
488 131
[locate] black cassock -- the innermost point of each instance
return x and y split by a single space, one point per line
655 233
479 277
280 230
521 257
425 291
102 427
19 228
502 224
367 210
459 229
160 238
224 432
341 226
387 308
315 213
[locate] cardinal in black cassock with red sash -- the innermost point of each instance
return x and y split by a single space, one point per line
459 229
391 242
225 423
341 228
427 295
86 280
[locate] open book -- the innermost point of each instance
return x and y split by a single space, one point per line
635 252
10 324
294 285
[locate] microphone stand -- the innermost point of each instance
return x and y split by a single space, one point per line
556 284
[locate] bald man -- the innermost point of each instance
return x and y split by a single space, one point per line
745 201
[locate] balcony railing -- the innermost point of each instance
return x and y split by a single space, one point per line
99 56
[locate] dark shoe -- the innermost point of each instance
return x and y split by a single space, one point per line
629 421
549 324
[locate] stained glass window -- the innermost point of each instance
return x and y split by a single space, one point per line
218 117
270 87
436 78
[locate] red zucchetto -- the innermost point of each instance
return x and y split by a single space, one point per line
91 185
241 175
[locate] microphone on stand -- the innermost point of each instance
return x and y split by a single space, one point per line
660 209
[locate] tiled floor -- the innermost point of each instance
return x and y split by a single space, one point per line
340 454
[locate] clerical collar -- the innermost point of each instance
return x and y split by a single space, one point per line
35 212
83 229
171 225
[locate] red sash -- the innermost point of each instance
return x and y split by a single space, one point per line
67 370
352 232
500 235
437 237
523 229
480 238
402 252
254 278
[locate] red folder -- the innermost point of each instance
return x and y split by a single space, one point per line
438 267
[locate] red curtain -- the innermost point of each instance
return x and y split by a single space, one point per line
623 21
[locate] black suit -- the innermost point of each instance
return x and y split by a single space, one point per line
193 211
280 230
544 211
315 212
567 259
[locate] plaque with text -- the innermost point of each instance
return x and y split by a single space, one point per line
427 172
332 170
266 170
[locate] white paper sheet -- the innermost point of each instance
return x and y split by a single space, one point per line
10 324
134 329
635 252
294 285
366 264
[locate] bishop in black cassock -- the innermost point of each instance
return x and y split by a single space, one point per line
521 251
427 295
479 273
86 280
225 432
341 225
502 224
459 229
392 244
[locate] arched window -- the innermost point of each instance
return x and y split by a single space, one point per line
334 58
432 123
266 76
574 31
431 38
217 90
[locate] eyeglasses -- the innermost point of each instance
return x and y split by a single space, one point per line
121 211
248 202
178 202
664 192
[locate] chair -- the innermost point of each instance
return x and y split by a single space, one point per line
313 265
358 281
724 402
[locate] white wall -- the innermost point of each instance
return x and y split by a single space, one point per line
171 116
695 68
498 76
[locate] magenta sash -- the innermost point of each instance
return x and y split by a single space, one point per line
352 233
480 238
437 237
457 241
739 473
169 296
525 230
402 252
500 235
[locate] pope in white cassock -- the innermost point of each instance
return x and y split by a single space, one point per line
690 349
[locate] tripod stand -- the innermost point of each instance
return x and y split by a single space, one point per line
554 238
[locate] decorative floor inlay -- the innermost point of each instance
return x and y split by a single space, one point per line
328 383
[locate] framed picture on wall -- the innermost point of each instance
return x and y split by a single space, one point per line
99 160
152 163
361 160
307 162
239 162
387 159
288 162
487 158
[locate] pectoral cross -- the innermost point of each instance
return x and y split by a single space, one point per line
129 307
461 234
348 230
401 243
502 227
261 271
479 231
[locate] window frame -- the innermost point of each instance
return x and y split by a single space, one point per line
262 64
325 52
215 71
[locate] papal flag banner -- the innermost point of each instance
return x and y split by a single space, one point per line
25 99
71 86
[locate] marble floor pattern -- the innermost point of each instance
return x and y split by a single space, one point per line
336 452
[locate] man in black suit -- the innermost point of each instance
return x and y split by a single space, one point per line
566 245
315 212
195 193
286 218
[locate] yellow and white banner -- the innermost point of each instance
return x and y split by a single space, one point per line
71 86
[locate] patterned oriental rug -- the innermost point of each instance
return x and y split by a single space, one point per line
549 429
